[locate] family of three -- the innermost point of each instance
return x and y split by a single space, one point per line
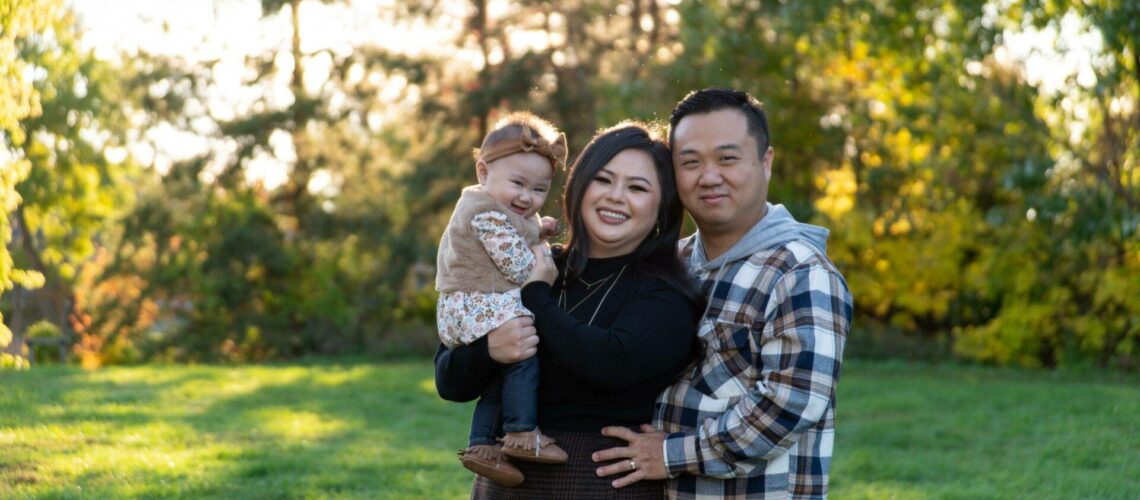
627 362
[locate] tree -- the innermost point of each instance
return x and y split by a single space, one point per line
1080 226
73 187
18 101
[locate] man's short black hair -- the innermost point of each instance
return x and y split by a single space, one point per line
699 102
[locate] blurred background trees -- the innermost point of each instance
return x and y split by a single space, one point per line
983 196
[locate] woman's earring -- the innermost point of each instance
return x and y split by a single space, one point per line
657 230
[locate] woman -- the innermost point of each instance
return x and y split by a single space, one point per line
613 309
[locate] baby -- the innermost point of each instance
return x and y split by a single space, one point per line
484 257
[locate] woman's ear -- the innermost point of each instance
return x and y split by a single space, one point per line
481 171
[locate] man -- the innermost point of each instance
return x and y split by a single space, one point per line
755 418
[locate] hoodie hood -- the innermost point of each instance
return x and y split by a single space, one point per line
776 228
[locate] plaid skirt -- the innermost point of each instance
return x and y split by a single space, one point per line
571 481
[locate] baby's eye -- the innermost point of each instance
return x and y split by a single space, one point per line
517 183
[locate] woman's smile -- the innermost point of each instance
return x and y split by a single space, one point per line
612 216
621 203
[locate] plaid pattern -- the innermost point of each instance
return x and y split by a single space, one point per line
756 417
574 480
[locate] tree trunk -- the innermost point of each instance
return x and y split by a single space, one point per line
479 28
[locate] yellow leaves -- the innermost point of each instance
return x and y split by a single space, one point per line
920 152
906 98
839 187
850 70
900 227
907 150
27 279
900 147
1132 258
256 272
918 188
871 160
802 45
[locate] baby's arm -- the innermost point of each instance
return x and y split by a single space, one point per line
507 248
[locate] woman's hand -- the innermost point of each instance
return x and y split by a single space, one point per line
513 341
544 269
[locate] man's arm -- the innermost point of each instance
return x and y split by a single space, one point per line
806 324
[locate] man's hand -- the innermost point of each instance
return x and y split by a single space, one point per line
544 269
644 455
513 341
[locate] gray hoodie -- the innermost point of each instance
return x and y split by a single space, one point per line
776 228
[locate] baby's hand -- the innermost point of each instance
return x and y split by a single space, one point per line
549 228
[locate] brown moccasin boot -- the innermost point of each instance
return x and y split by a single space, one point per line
499 469
533 446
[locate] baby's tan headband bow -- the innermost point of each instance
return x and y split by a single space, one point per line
555 150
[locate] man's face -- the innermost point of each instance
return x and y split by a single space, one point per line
721 179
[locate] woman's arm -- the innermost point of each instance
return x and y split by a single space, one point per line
462 372
652 334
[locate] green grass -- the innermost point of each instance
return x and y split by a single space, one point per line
370 430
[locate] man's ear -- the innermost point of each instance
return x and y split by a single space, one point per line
481 171
766 162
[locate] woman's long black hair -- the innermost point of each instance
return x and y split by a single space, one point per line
656 256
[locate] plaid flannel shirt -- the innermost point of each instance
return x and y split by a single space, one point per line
755 418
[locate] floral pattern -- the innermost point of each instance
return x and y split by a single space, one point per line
464 317
507 248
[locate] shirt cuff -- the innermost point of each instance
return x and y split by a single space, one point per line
682 454
665 457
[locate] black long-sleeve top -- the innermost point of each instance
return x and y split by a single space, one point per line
608 372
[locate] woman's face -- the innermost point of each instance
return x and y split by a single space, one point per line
620 205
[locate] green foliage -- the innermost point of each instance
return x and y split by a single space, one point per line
959 206
19 100
69 188
973 213
42 330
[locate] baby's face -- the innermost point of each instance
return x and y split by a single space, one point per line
519 182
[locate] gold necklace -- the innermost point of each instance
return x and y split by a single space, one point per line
590 286
562 297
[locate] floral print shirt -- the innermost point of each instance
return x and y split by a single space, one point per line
463 317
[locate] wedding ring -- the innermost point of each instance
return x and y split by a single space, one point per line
632 464
546 250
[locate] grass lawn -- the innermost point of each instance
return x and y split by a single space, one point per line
377 430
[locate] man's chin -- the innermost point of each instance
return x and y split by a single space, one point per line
710 220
